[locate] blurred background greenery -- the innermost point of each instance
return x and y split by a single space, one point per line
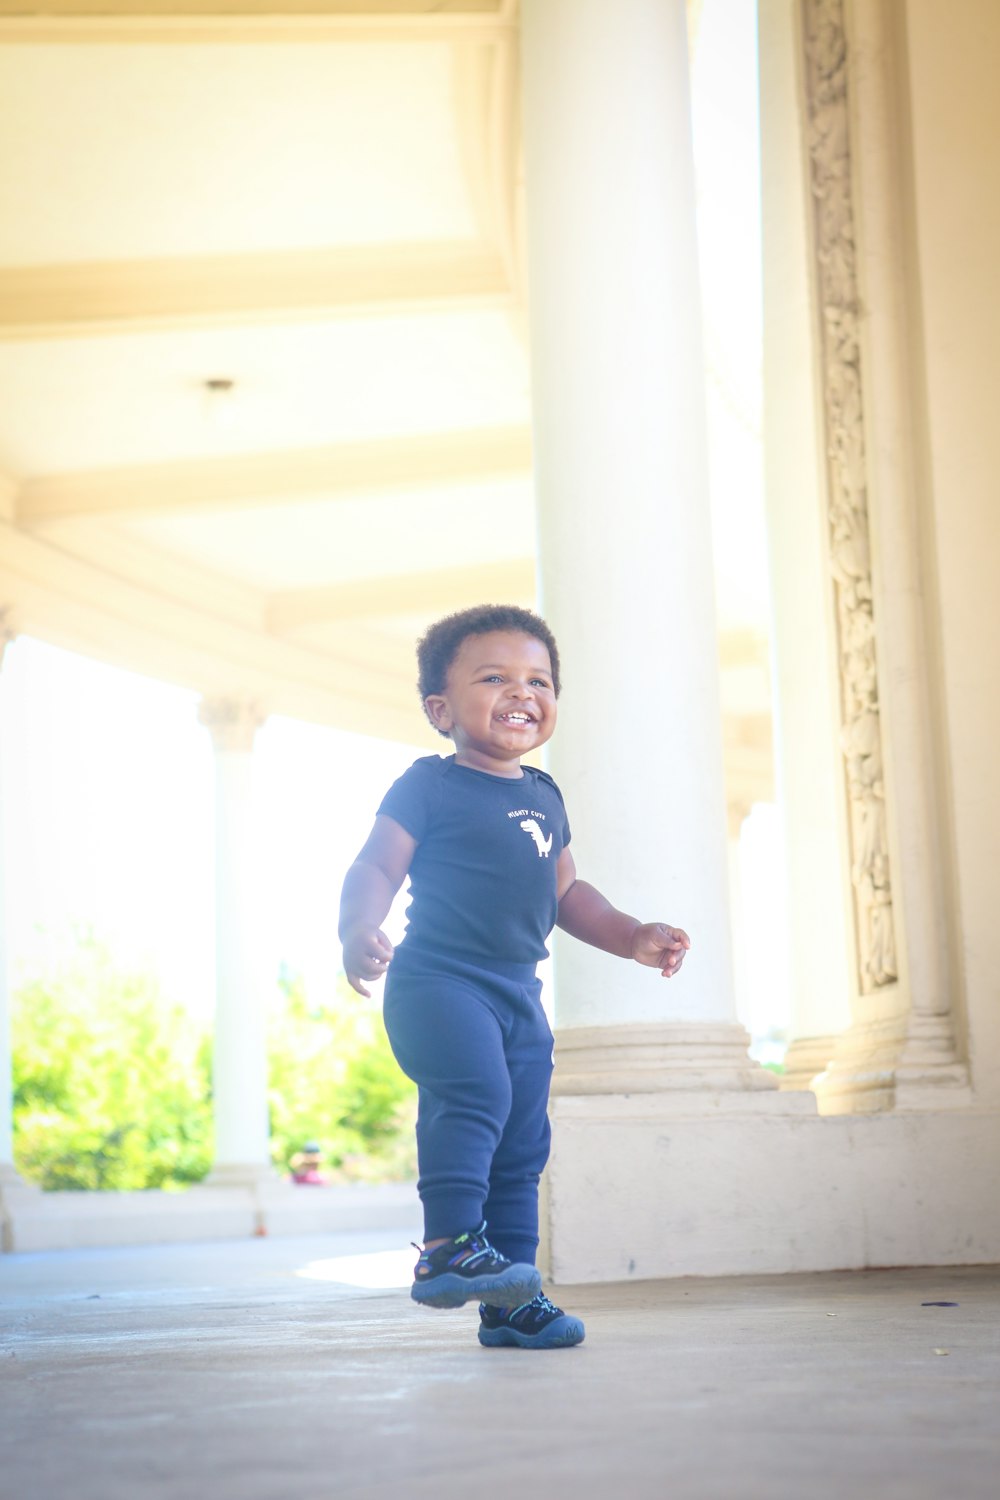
113 1084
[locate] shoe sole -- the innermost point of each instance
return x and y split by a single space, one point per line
561 1333
512 1287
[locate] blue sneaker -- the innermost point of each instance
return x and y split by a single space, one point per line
468 1268
534 1325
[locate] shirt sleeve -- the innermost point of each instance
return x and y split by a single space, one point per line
566 834
413 799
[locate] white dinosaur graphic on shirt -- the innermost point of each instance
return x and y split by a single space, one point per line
543 845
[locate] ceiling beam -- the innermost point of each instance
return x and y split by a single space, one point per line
343 470
250 21
350 9
436 591
82 606
127 296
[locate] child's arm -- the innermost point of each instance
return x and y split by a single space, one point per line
369 888
585 914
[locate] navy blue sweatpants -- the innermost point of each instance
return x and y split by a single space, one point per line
477 1043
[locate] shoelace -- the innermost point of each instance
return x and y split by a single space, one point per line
539 1304
477 1250
473 1249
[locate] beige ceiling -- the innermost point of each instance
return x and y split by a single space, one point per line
322 208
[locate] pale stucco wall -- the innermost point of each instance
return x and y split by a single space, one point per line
953 53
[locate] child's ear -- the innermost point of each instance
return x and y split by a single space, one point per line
437 710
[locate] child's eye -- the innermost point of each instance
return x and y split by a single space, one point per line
538 682
493 677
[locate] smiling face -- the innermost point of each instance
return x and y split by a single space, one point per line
499 701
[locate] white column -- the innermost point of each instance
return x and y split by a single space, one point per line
807 712
18 1198
625 543
240 1065
8 1175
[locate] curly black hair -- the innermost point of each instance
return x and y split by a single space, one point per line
438 647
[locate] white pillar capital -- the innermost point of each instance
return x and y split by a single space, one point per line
8 632
232 722
737 812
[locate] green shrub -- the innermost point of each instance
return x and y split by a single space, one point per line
334 1080
112 1085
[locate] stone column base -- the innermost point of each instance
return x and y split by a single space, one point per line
806 1057
901 1062
15 1195
253 1175
689 1057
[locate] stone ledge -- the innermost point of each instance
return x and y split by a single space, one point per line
636 1191
33 1220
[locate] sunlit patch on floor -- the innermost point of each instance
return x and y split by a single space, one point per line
384 1268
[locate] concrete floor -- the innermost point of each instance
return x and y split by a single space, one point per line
262 1370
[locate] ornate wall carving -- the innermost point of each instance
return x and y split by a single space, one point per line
861 735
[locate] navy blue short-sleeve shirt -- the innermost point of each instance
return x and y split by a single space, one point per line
483 877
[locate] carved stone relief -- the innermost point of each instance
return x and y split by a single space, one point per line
861 736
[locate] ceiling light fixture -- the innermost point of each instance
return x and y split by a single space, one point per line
217 392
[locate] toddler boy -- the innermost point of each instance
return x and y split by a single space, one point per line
485 842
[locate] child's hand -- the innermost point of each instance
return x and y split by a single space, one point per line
367 954
660 947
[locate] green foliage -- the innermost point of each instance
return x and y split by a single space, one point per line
111 1085
334 1080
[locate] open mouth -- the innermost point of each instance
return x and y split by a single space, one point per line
516 719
